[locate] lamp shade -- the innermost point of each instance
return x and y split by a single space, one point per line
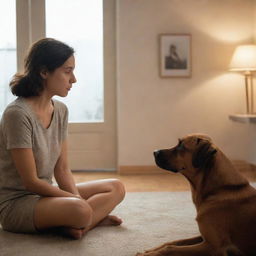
244 58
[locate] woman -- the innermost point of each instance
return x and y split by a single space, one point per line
33 148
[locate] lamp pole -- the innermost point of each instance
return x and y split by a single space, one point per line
249 92
246 77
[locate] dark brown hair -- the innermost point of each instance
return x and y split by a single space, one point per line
46 54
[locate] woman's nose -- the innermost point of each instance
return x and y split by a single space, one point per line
73 79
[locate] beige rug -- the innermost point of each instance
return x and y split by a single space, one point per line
150 218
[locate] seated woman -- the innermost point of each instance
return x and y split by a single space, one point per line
33 148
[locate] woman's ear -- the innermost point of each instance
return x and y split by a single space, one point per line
44 73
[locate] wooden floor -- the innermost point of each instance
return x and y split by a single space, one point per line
143 183
139 183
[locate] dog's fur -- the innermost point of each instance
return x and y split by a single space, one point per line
224 200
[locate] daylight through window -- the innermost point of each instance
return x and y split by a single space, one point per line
81 26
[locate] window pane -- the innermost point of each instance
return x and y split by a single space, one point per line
8 60
79 23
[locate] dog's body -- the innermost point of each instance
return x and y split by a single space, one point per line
224 200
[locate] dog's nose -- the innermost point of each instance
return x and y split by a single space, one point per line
156 153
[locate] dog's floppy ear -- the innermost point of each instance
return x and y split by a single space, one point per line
204 156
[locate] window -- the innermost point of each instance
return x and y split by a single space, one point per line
80 25
8 60
92 127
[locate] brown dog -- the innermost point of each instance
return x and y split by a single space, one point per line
224 200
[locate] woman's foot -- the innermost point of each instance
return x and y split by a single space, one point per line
110 220
73 232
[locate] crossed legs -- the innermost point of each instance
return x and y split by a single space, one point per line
76 216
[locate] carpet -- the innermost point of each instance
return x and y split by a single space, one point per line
150 218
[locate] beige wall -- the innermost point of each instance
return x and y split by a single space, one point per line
153 112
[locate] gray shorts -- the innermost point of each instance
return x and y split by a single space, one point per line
18 214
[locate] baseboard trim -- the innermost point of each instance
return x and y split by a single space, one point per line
242 166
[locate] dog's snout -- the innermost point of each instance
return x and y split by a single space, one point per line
162 159
156 153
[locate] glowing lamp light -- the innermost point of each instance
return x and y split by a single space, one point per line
244 60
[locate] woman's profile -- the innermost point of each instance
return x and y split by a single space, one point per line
33 150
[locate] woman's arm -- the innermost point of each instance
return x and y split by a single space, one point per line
63 174
25 164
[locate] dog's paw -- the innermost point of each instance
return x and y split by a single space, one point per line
143 254
146 253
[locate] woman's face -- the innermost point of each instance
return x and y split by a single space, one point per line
60 81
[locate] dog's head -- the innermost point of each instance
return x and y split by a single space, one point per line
193 151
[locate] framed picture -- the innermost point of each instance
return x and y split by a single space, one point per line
175 55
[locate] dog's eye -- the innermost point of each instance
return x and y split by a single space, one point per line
180 145
198 141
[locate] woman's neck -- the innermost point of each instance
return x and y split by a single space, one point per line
40 103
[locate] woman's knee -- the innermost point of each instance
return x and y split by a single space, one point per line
118 189
71 212
82 212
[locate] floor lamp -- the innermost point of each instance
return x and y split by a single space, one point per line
244 60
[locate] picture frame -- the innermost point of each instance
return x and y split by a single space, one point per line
175 55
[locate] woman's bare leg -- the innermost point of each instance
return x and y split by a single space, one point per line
73 215
77 216
103 196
